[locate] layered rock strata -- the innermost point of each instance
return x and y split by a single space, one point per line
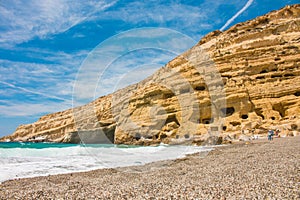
245 80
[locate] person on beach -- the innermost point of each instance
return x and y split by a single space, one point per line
270 135
277 132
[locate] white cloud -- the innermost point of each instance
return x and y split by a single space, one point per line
162 13
30 109
21 21
119 55
51 85
193 20
57 57
32 91
249 2
52 79
173 15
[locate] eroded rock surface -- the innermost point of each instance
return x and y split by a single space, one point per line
241 81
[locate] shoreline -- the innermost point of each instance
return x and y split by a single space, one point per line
256 169
82 158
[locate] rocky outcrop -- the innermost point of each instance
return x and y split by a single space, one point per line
242 81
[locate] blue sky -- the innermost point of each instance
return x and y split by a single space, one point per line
44 43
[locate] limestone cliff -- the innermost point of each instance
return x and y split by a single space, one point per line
243 80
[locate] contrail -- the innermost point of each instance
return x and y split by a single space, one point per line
237 14
32 92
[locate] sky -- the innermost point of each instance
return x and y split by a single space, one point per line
45 46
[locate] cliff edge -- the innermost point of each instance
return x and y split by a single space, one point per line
242 81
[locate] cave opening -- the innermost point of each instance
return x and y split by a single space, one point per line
279 108
297 94
260 77
163 136
234 123
245 116
168 95
207 121
274 70
277 58
273 118
200 88
172 118
137 136
259 112
105 135
264 71
276 76
294 127
110 134
228 111
288 75
149 137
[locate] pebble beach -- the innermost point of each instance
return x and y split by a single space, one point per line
258 169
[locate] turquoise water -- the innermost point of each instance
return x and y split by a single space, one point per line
34 145
18 159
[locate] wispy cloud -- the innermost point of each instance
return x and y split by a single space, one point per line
13 109
21 21
175 15
57 57
131 69
194 20
53 79
32 91
120 56
249 2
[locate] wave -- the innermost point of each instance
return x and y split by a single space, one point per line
32 160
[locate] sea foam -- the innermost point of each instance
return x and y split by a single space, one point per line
28 161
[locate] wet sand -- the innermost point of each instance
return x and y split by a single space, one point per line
258 170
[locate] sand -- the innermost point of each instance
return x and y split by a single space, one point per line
258 170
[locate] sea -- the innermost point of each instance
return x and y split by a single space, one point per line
22 160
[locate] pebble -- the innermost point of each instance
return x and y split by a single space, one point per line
258 170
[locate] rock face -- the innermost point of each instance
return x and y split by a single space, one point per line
241 81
